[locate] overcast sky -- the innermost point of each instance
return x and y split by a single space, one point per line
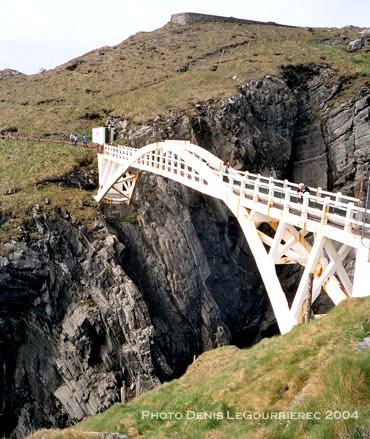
37 34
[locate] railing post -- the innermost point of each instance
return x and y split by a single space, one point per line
286 182
325 210
271 194
349 217
242 188
337 198
287 199
306 199
231 183
192 174
256 188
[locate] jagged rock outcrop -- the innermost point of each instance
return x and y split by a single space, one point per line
73 327
145 297
8 73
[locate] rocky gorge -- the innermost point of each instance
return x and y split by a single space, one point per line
84 312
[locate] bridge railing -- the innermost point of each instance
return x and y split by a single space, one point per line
48 139
322 206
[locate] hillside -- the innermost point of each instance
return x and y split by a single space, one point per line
171 69
311 370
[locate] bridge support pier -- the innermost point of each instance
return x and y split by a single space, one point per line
266 267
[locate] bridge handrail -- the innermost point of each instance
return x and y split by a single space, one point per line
319 205
318 196
344 199
316 192
62 141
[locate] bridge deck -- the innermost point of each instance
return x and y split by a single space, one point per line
267 195
338 223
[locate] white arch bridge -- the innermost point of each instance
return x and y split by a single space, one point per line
317 231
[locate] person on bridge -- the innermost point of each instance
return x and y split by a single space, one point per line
84 140
225 170
303 190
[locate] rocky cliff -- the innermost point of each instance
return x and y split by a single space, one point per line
83 312
287 126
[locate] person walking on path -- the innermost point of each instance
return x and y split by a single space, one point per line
72 137
85 140
75 140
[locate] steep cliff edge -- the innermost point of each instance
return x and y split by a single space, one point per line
84 311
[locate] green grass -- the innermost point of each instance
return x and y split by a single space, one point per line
27 166
141 77
315 361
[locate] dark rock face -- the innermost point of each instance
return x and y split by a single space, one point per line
84 312
74 325
193 257
281 127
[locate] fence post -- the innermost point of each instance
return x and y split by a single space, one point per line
349 215
270 195
231 183
138 386
242 188
256 188
123 393
287 199
306 199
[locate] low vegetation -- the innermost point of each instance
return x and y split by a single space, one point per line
311 372
170 69
33 173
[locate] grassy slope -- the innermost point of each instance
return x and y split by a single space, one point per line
24 164
315 360
139 78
